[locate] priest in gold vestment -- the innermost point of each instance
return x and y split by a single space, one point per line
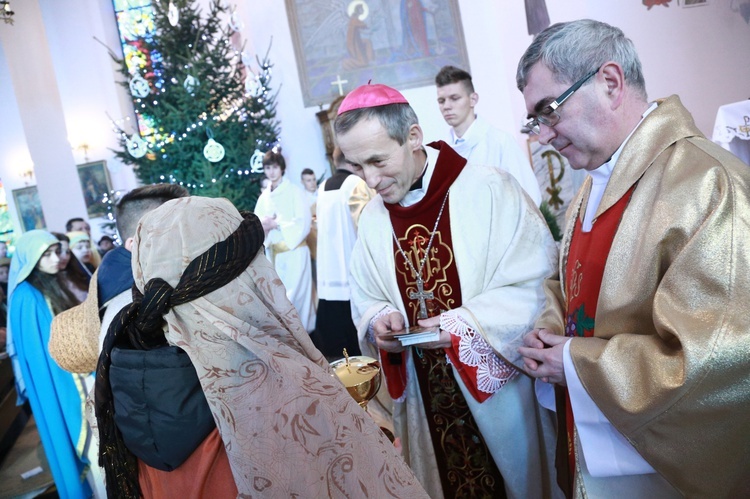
645 334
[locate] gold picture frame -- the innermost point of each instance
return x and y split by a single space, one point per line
29 208
95 183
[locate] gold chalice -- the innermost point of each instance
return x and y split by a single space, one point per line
360 375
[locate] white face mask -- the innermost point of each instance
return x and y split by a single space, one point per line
49 260
82 251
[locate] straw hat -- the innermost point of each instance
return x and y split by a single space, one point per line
74 335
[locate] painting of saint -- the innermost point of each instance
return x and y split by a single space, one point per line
402 43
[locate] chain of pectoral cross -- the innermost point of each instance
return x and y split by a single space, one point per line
421 295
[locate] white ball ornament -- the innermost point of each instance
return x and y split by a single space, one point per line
190 83
214 152
137 147
256 162
139 86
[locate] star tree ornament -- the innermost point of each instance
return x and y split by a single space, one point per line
190 83
213 151
137 147
139 86
173 14
256 162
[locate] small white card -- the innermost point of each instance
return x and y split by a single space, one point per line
416 335
32 472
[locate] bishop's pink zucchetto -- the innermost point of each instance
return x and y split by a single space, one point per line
371 96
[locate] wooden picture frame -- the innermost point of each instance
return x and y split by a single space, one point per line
340 45
29 208
95 183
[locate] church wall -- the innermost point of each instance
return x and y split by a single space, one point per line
699 53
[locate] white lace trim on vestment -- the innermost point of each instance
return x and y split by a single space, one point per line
492 371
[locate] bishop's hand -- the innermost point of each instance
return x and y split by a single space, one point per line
445 336
387 325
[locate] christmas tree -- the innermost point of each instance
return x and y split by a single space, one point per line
204 114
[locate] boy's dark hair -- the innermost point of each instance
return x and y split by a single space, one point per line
307 171
274 158
69 223
452 74
136 203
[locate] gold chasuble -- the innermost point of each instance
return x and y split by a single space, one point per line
668 362
465 464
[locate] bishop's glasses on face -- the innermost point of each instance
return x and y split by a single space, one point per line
549 115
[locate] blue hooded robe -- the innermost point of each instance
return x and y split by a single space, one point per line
56 396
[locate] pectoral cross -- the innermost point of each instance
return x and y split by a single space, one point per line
340 84
421 295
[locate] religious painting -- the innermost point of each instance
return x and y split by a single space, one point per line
29 208
341 44
557 180
95 184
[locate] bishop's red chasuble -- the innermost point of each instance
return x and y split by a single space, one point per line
584 270
466 465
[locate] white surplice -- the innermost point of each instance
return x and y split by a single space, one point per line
482 144
503 250
286 246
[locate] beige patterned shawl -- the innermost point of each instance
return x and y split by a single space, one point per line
289 427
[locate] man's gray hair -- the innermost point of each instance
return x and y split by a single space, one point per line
395 118
570 50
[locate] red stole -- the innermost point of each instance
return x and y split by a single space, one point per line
413 226
584 271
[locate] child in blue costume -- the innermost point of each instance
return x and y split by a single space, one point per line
56 396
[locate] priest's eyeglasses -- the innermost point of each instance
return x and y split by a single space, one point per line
549 115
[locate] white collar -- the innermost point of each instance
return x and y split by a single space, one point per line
415 196
600 177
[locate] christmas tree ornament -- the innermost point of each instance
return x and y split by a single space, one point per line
247 59
139 86
190 83
173 14
172 119
256 162
235 23
253 86
214 152
137 147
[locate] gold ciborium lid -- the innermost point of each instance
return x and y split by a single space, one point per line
360 375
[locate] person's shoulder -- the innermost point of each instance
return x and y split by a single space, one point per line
350 182
480 174
711 161
25 289
373 210
24 296
499 136
476 181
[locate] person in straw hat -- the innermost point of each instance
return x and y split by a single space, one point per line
285 424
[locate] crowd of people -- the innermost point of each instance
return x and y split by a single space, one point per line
610 365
